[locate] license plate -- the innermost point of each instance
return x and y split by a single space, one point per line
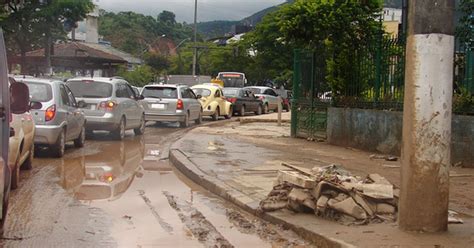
158 106
93 107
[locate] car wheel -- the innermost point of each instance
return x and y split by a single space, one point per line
60 146
141 129
185 122
259 110
199 119
81 140
230 113
242 111
15 181
265 108
215 116
119 133
28 164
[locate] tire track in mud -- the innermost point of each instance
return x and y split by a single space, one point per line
166 226
199 226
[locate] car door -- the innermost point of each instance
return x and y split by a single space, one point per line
136 111
272 98
78 115
219 97
186 97
125 104
65 109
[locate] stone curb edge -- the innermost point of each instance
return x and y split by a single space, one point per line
214 185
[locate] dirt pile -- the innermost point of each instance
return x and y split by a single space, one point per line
332 192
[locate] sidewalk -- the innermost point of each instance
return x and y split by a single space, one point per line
239 162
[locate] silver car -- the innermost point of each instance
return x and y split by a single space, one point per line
110 104
268 96
59 120
171 103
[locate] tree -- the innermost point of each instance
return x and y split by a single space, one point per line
167 17
141 76
465 29
157 62
28 22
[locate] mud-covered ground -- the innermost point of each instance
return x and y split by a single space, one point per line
126 194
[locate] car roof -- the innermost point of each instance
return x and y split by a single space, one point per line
258 87
232 88
98 79
36 80
206 86
164 85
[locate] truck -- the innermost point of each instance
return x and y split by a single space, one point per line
188 80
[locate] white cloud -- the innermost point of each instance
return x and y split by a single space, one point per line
208 10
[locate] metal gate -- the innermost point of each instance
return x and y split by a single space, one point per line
311 95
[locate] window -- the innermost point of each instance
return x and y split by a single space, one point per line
72 99
64 96
160 92
202 92
40 92
90 89
123 91
130 93
186 93
218 93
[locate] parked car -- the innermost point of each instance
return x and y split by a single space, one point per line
213 101
59 120
268 96
243 101
110 104
173 103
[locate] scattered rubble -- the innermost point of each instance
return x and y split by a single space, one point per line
385 157
332 192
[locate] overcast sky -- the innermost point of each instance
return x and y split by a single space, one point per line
208 10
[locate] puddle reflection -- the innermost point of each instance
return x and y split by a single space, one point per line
104 174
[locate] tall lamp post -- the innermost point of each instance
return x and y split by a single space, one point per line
179 54
195 38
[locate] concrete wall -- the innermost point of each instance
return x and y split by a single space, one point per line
381 131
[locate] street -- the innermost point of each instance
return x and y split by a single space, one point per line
126 194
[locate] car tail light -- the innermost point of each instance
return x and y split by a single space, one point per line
232 100
107 178
107 105
179 104
50 113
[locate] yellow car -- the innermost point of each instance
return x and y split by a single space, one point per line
213 101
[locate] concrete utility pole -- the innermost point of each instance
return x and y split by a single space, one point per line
195 37
426 149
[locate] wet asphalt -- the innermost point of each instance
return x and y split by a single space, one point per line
126 194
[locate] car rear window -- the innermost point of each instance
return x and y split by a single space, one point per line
231 92
90 89
160 92
40 92
202 92
255 90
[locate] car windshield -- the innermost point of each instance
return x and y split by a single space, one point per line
202 92
160 92
40 92
256 90
90 89
231 92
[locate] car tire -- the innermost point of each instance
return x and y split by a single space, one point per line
228 116
265 108
215 116
28 164
81 140
242 111
119 133
140 130
199 119
59 148
259 110
185 122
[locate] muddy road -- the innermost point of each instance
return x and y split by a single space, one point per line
126 194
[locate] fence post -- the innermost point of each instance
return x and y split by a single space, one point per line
378 69
296 93
469 79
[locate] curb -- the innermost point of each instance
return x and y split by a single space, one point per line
181 161
252 120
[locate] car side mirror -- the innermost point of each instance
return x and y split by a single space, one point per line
35 105
81 104
198 97
20 97
140 97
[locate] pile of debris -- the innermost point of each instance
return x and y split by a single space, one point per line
333 193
